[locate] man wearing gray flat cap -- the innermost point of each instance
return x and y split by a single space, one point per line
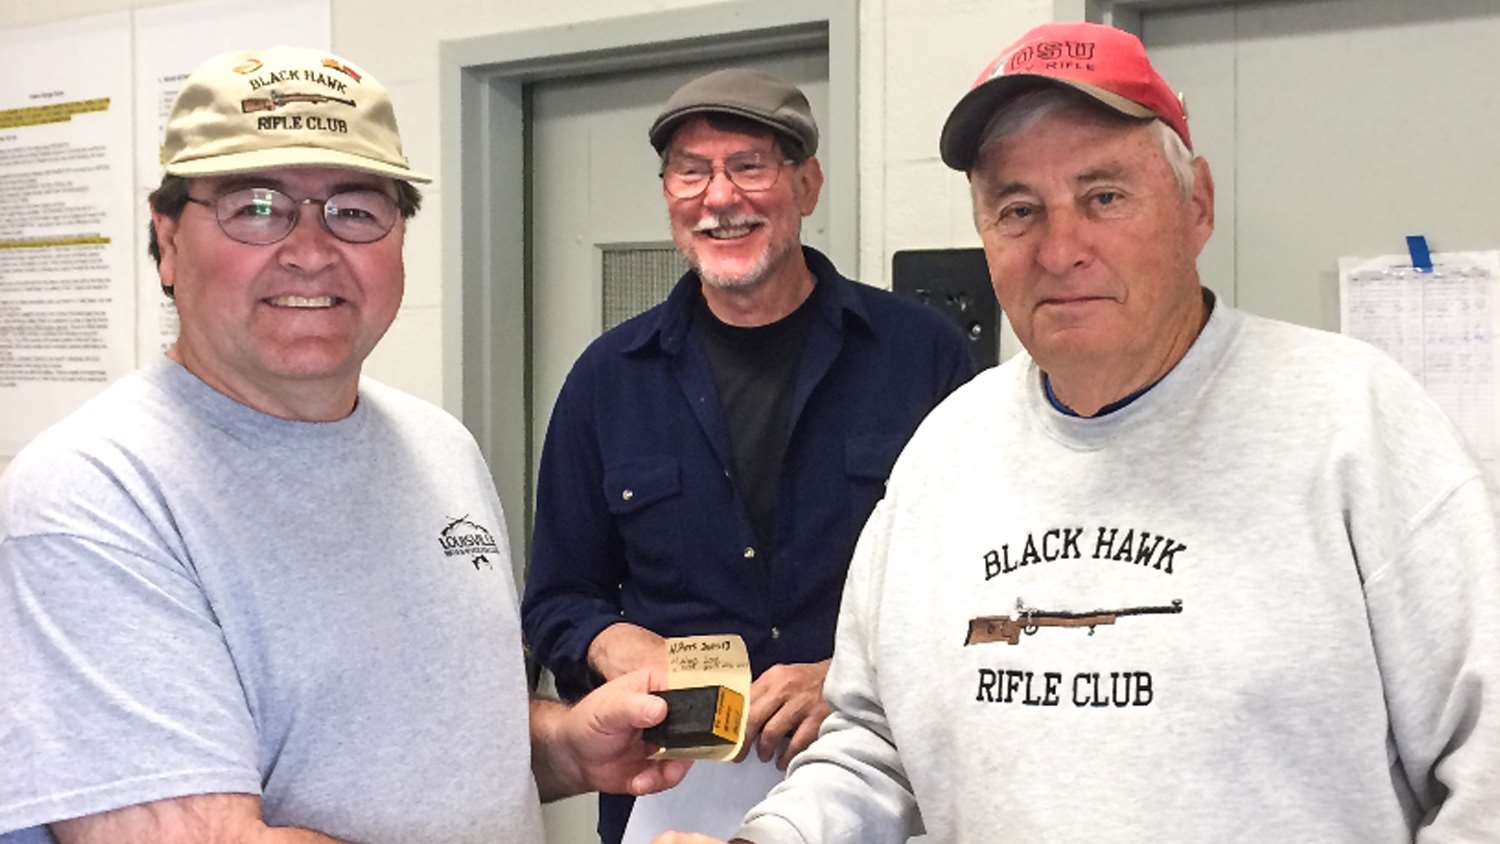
709 464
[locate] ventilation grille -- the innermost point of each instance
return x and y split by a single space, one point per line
637 277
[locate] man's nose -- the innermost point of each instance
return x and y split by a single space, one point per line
309 248
1064 245
721 190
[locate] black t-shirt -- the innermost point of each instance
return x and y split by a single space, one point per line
755 370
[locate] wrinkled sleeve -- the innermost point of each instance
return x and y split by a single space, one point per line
1435 617
577 557
848 787
117 686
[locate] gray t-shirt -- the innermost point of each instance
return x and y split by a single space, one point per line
196 597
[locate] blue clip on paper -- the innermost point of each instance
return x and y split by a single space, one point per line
1421 259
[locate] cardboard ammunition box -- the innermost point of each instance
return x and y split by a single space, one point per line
702 716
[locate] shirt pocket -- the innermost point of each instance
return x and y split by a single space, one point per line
868 460
645 498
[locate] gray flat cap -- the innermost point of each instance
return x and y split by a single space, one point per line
753 94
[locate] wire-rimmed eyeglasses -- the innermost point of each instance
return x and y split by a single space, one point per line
685 177
261 216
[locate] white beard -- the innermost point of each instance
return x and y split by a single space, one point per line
741 281
751 277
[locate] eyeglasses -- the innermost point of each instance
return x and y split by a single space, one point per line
751 171
260 216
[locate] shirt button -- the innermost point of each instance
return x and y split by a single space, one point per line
628 494
749 552
775 632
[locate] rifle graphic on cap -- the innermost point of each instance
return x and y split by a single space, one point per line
277 99
1003 628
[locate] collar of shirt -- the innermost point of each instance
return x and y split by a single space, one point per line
669 329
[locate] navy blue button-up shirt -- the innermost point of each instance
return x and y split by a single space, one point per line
638 518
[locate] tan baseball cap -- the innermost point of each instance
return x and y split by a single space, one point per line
283 107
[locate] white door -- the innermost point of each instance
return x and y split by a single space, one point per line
596 209
1334 127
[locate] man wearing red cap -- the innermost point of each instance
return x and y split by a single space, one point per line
1178 573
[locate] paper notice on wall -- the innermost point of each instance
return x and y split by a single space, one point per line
169 42
67 228
1443 326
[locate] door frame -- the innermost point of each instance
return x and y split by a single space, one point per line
485 237
1121 14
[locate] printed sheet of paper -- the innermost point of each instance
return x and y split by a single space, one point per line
711 799
67 228
1443 327
169 42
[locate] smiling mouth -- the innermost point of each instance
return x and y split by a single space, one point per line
730 232
303 301
728 226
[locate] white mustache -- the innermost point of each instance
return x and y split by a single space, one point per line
713 221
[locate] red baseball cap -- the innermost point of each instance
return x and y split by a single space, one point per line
1108 64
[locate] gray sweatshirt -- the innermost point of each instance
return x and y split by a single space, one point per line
1262 602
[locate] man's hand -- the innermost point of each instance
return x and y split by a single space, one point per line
596 745
786 710
692 838
623 647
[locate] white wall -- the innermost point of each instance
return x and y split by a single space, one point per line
916 58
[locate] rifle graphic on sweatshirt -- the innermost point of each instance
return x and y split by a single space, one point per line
276 99
1003 628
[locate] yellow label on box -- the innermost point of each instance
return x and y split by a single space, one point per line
727 714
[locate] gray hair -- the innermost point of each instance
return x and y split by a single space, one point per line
1024 110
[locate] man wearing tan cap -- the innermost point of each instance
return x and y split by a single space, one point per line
246 595
708 464
1178 573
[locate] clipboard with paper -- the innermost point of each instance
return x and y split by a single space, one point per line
1438 315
